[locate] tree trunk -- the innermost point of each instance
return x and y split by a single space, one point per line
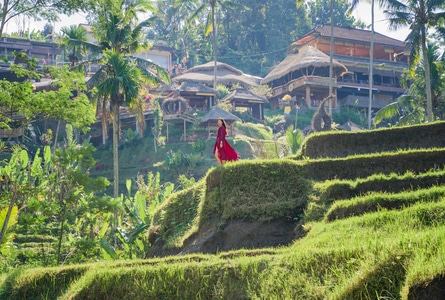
371 66
3 14
62 225
104 118
429 101
331 57
56 136
214 49
115 111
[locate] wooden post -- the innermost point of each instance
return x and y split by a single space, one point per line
185 130
167 131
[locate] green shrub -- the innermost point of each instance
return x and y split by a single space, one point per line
256 131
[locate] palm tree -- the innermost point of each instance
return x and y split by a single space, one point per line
74 39
211 24
419 16
371 54
119 36
117 28
118 80
411 106
121 75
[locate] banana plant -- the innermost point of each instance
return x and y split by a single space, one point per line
138 211
8 237
19 177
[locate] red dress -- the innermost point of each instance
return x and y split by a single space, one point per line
226 152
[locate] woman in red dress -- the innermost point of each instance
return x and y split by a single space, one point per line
222 149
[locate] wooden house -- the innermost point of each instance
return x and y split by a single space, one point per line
304 76
352 50
247 101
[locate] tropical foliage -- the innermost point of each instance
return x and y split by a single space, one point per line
47 9
419 16
410 108
121 76
54 212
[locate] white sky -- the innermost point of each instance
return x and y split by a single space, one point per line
362 12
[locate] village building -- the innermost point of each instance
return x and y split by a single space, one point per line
308 83
225 74
44 52
210 120
246 101
184 99
303 76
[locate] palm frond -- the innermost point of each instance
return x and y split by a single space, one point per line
151 70
209 25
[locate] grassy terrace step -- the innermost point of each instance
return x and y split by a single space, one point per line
392 183
325 193
393 253
22 238
376 201
374 256
341 144
362 166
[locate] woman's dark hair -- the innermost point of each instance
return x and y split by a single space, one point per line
223 123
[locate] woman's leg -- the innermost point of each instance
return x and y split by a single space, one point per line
218 159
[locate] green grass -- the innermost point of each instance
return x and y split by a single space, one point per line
139 157
374 256
376 236
378 201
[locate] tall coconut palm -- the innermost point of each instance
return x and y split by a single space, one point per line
118 80
411 107
119 37
419 16
371 53
117 27
211 23
73 39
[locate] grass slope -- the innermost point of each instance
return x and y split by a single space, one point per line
361 241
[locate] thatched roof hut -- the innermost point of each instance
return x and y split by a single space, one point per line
167 88
195 87
216 112
225 74
239 95
174 104
308 61
247 99
211 118
197 94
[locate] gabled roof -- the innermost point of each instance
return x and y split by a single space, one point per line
190 86
351 35
217 112
167 87
225 74
244 94
306 57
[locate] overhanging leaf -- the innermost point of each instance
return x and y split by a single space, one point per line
108 250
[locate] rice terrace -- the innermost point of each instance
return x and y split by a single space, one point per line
228 149
358 224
